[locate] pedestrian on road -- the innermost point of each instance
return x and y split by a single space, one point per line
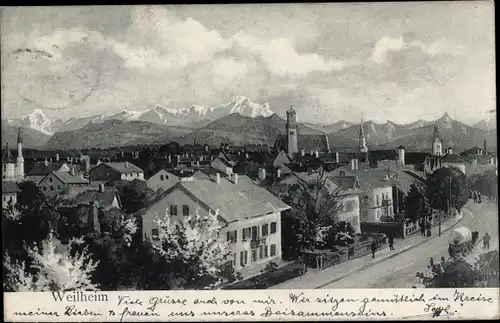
374 248
475 197
479 197
486 241
422 229
429 230
391 242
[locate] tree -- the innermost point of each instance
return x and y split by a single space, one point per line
438 189
249 168
485 183
133 195
192 250
54 267
314 206
415 206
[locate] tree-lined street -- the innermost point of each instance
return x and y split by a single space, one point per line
400 271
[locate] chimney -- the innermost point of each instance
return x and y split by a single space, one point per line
316 153
98 161
353 164
46 162
87 164
50 160
93 218
450 151
484 147
312 153
235 178
126 164
57 157
337 157
246 156
302 153
357 163
101 188
169 158
206 147
278 173
198 163
72 171
262 174
67 159
217 178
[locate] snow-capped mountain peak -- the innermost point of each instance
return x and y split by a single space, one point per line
35 120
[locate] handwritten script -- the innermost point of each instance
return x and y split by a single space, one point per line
247 305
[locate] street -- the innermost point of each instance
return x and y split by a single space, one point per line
399 271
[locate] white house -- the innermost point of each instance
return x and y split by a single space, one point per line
250 214
162 179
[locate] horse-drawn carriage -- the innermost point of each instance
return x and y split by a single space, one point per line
462 240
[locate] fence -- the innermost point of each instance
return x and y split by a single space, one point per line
272 278
323 259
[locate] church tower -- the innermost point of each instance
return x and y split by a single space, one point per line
362 139
291 132
20 159
8 165
437 144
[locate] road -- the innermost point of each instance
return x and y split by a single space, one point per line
400 271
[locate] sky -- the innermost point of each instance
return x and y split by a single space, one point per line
388 61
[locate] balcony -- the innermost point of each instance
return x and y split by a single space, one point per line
257 243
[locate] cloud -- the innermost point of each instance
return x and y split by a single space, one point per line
387 45
281 58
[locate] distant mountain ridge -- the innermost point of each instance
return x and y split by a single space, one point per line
194 116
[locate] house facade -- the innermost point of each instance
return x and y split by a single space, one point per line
114 171
250 215
60 183
9 195
162 179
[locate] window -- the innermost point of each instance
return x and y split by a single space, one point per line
254 255
44 188
273 227
51 187
243 258
342 173
50 179
155 234
261 252
246 233
378 202
185 210
349 206
232 236
255 233
273 250
266 251
173 209
162 177
234 260
59 186
265 230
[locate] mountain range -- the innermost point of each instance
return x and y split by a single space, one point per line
237 122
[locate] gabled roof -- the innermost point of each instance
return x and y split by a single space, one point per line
123 167
42 169
9 187
344 182
374 177
306 142
6 155
104 199
234 202
415 158
471 151
67 178
452 158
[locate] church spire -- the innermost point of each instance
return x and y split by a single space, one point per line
19 138
362 139
436 133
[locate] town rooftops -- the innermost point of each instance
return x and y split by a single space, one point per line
234 202
375 177
9 187
123 167
67 178
40 168
452 158
104 199
306 142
